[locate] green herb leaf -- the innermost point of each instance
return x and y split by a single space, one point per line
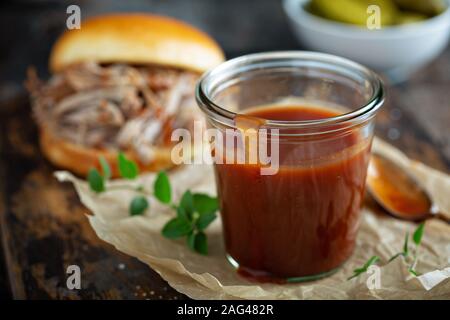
128 169
405 252
176 228
204 203
138 205
198 242
96 182
417 236
187 203
405 245
161 188
413 272
371 261
181 213
106 169
190 240
205 220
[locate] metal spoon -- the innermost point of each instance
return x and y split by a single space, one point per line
399 193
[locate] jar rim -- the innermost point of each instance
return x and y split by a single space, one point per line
226 117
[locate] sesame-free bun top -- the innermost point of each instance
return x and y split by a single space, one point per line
136 39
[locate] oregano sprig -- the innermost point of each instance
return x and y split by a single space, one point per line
417 239
128 170
358 271
194 213
405 253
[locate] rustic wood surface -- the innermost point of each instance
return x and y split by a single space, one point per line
43 227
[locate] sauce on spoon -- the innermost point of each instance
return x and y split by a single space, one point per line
397 192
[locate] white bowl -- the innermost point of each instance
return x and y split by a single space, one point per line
396 51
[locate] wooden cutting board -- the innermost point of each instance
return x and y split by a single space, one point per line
44 226
44 229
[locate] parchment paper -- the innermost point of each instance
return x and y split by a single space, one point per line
211 277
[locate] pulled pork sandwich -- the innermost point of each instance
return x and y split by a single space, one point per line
121 83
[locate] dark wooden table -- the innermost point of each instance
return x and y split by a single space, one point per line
43 227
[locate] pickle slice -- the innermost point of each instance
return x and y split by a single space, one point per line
425 7
354 11
410 17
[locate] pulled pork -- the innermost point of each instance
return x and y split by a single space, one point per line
116 106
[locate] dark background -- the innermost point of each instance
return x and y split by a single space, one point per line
29 28
415 118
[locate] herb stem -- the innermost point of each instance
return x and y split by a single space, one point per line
194 212
396 256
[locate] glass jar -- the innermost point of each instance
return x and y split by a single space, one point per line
300 222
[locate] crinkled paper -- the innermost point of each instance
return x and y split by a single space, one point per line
212 277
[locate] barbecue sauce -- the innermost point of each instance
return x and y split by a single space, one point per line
303 220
